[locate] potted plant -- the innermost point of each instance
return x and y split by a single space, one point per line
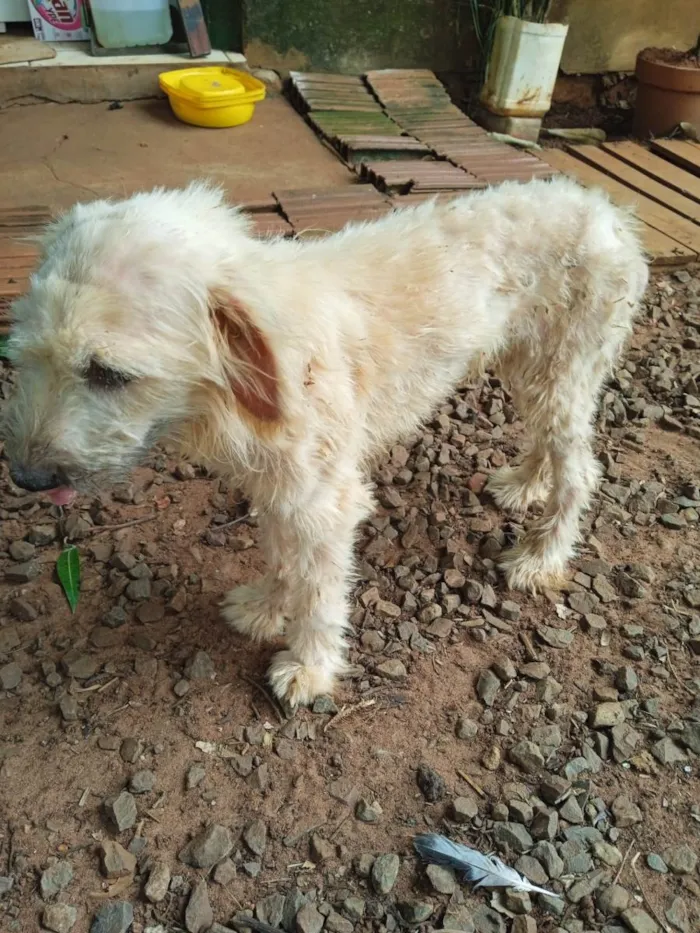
668 90
521 53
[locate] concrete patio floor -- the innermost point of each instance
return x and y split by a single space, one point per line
56 154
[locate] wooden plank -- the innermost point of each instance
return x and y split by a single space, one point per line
660 169
655 215
663 247
637 180
682 152
195 27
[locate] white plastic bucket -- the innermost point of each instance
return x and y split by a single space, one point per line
523 66
121 24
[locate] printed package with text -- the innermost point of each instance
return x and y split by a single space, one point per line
58 20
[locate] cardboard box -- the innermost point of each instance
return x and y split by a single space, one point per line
58 20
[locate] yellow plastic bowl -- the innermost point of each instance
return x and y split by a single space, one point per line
212 96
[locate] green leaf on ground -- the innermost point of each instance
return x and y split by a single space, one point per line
68 569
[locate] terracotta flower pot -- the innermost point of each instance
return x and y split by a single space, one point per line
668 92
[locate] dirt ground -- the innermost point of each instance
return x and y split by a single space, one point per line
144 690
67 152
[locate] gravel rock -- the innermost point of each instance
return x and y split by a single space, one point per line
532 869
681 859
368 812
199 667
142 782
667 752
524 924
55 878
393 669
463 809
413 912
527 756
198 915
441 879
504 669
309 920
385 871
255 837
466 728
121 811
487 687
430 784
677 915
626 812
487 920
605 715
656 863
116 917
225 872
10 676
512 836
116 861
208 847
613 900
59 918
158 883
639 921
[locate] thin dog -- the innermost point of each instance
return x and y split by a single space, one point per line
289 366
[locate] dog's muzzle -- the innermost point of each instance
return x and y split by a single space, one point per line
51 480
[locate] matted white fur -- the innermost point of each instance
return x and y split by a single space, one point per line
290 365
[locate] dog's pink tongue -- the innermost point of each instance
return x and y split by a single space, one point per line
62 495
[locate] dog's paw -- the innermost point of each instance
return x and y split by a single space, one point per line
251 611
510 493
294 683
529 572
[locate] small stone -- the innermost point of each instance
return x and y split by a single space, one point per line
466 728
79 666
336 923
59 918
639 921
181 687
309 920
23 610
368 812
198 915
491 759
430 784
116 861
553 789
55 878
150 611
584 887
442 879
225 872
626 812
504 669
673 521
22 573
195 775
613 900
532 869
607 853
131 750
158 883
513 836
626 679
116 917
10 676
255 837
677 915
571 811
199 667
121 810
667 752
487 687
321 849
524 924
413 912
138 590
555 637
656 863
463 809
115 618
487 920
325 706
547 855
681 859
458 917
208 847
517 902
605 715
527 756
142 782
385 871
392 669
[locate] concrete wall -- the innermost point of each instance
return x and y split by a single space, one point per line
605 35
357 35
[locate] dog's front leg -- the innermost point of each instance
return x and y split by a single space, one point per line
311 542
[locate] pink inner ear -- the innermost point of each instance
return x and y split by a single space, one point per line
256 385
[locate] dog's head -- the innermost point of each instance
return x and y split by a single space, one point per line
133 330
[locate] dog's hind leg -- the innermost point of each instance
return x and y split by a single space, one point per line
256 610
313 545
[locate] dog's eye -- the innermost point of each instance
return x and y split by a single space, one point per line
99 376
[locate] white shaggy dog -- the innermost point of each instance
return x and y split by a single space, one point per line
289 365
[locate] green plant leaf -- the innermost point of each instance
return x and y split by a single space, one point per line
68 569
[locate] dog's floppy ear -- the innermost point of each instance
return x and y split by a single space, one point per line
249 362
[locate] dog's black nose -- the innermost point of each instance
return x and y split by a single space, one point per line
37 479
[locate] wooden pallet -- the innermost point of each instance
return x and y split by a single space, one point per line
18 255
319 211
670 234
